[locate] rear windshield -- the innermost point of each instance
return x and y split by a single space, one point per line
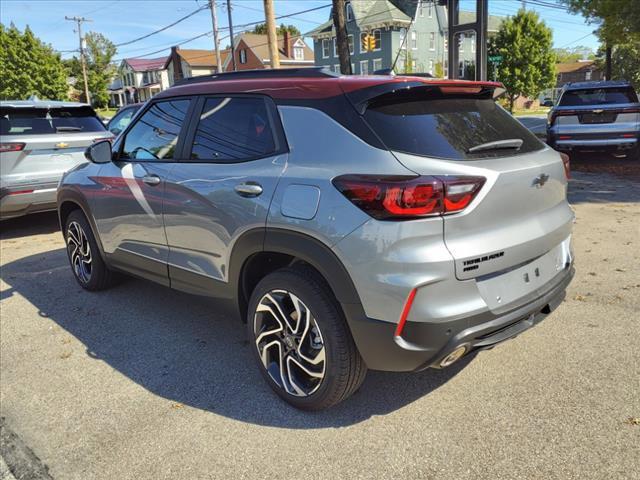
598 96
447 126
41 121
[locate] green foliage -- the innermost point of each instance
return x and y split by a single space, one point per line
625 60
29 67
261 29
528 61
99 51
618 20
570 55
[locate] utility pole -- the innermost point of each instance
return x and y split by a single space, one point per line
79 21
216 44
272 36
233 50
342 41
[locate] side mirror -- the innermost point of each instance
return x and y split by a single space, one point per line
99 152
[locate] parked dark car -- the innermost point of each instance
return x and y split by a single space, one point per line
596 116
122 118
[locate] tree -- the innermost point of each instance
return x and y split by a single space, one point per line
528 62
29 67
625 64
261 29
618 20
99 53
570 55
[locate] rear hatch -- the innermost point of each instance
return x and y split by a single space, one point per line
521 212
40 144
611 110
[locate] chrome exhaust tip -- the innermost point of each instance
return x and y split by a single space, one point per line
453 357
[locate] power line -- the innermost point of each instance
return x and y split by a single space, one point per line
576 40
161 29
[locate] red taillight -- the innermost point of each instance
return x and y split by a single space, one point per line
11 147
566 161
564 137
394 198
628 135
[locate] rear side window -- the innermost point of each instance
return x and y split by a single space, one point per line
598 96
233 129
433 124
154 135
42 121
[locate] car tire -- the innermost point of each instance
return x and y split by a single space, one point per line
85 259
301 341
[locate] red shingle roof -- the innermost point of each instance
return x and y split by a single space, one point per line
146 64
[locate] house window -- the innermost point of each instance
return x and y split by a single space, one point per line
243 56
403 35
587 75
349 10
461 42
351 45
432 41
298 53
377 64
364 67
420 8
377 34
431 67
414 40
335 47
473 43
325 48
431 10
336 68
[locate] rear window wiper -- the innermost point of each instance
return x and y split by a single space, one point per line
68 129
514 143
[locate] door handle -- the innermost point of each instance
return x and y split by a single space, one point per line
151 180
248 189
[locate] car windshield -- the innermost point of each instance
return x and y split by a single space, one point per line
598 96
41 121
456 127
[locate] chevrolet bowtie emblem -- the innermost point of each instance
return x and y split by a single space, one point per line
540 180
62 145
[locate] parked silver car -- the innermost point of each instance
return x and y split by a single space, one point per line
596 116
39 141
378 222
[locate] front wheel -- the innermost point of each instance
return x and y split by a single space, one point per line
301 341
87 265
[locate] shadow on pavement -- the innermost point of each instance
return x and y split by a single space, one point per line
190 349
602 187
29 225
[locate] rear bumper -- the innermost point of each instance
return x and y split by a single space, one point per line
592 143
18 200
425 345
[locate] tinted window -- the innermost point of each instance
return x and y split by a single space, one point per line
121 120
598 96
445 126
233 129
40 121
155 134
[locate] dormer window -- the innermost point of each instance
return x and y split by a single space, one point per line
298 53
349 12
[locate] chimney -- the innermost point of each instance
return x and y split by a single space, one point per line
287 43
177 64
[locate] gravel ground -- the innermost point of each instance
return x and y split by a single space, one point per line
141 382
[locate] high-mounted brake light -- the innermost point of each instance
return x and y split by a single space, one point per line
461 89
397 198
11 147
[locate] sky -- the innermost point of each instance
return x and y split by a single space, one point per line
125 20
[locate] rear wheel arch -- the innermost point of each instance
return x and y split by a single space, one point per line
70 200
282 248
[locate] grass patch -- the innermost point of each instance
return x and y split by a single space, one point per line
106 112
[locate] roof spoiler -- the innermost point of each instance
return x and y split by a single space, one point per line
361 99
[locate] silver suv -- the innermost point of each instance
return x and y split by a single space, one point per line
389 223
39 141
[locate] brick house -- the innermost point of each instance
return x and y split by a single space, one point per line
252 52
581 71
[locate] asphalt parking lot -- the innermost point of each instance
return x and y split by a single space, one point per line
142 382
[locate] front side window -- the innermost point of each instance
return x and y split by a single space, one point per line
121 120
154 136
233 129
